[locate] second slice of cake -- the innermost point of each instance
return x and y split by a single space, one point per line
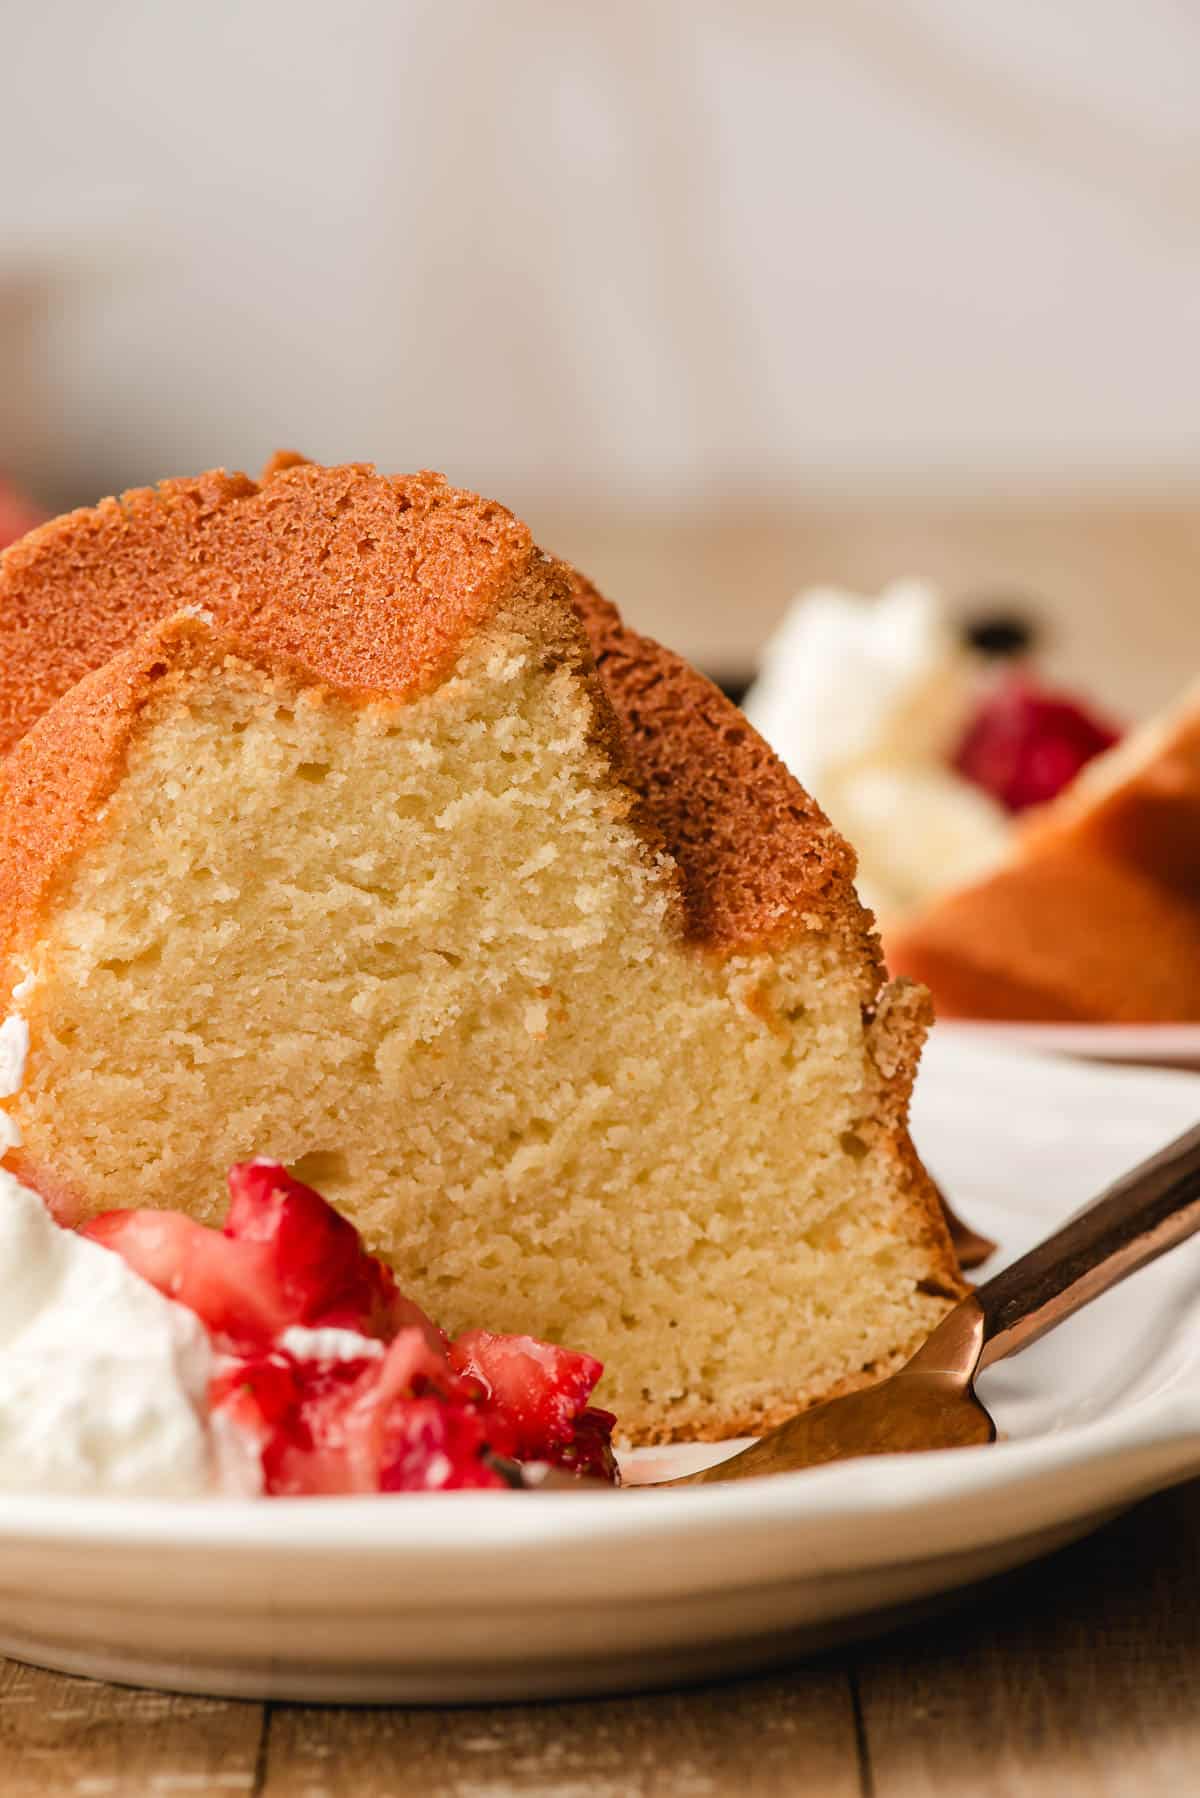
1094 916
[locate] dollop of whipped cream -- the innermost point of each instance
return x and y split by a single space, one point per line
865 700
103 1381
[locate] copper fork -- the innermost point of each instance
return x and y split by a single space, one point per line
930 1403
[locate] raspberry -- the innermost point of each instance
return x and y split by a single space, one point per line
1027 742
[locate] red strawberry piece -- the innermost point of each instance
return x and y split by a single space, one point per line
419 1426
412 1365
270 1383
366 1423
538 1388
231 1286
430 1446
16 515
323 1271
590 1452
1026 742
296 1412
411 1368
284 1257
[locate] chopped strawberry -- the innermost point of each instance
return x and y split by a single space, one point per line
406 1421
295 1412
538 1388
262 1388
284 1257
324 1273
413 1365
590 1451
433 1447
231 1286
402 1421
410 1369
1026 742
302 1314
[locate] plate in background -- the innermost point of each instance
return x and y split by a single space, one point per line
1152 1045
469 1596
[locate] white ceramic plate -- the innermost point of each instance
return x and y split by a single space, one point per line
1154 1045
498 1595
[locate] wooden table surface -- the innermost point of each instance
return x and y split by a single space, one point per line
1078 1677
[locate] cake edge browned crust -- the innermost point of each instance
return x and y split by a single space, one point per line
755 849
374 583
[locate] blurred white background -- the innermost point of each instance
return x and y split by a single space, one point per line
681 281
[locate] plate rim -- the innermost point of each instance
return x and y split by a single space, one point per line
1166 1044
897 1488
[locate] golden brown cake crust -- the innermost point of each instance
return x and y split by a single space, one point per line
374 584
754 849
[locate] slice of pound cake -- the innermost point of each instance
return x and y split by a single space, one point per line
375 843
1095 915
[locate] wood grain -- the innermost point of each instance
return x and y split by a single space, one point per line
72 1738
763 1738
1077 1678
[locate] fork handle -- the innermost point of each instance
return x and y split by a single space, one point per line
1142 1215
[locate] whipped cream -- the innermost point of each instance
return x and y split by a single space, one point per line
14 1052
329 1344
103 1381
865 699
